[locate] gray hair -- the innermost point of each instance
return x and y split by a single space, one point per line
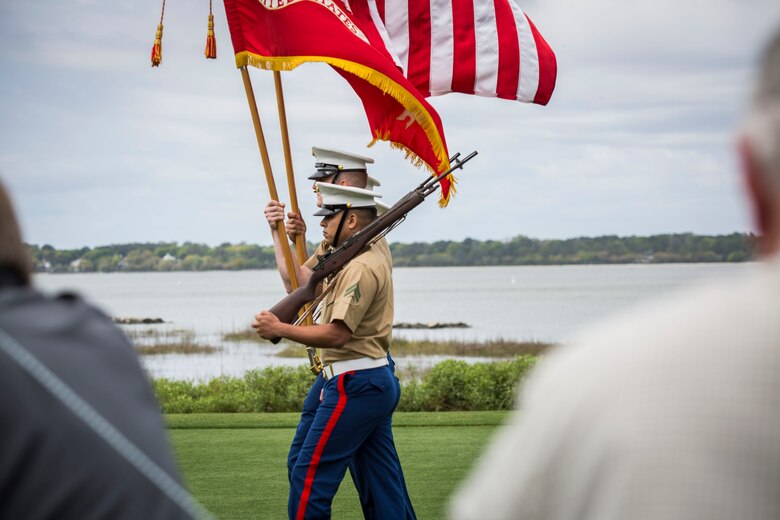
762 127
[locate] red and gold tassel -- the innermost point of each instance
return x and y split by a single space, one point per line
157 47
211 41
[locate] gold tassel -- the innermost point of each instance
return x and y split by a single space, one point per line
157 47
211 42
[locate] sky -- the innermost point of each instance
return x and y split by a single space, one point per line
97 147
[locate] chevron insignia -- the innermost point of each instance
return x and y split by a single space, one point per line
354 291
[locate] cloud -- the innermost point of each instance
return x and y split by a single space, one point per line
98 147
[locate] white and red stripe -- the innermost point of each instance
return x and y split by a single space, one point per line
483 47
320 447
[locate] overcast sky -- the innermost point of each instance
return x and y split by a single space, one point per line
97 147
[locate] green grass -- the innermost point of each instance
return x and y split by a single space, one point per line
235 464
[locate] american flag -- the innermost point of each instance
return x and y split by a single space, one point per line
483 47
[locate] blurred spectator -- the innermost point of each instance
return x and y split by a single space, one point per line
669 411
80 431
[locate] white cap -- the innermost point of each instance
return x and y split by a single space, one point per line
372 183
329 162
336 198
381 207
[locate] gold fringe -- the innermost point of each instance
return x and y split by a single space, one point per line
443 201
417 161
379 80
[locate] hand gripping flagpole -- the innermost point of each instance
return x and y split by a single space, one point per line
269 177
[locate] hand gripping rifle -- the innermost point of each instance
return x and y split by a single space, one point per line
332 262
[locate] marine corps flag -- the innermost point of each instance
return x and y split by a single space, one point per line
282 34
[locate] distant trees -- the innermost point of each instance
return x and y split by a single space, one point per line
520 250
164 256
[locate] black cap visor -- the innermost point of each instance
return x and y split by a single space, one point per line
329 211
323 170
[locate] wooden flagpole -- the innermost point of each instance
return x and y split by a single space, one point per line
300 246
269 176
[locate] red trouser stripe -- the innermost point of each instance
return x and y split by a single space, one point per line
315 459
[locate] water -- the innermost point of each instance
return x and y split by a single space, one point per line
546 303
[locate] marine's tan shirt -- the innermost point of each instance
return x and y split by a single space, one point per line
362 297
381 245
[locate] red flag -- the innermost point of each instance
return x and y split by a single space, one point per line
282 34
483 47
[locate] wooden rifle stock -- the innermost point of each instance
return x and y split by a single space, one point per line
332 262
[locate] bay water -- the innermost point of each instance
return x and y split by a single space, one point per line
545 303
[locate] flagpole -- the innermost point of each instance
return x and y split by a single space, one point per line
300 246
269 176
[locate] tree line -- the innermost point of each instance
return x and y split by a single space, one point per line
521 250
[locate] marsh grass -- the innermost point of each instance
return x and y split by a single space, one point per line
243 335
151 342
490 348
423 347
178 341
498 348
175 348
157 334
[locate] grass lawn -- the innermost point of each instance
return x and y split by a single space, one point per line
236 464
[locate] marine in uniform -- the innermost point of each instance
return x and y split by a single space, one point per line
360 392
344 169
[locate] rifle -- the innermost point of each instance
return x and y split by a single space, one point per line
333 261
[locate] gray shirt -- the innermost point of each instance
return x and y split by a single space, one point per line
53 465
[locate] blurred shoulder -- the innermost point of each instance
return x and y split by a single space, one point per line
728 320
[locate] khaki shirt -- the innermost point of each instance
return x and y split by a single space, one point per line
362 297
381 245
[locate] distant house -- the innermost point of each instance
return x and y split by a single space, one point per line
168 258
45 266
76 265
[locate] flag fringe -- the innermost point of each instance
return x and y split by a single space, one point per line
379 80
417 161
